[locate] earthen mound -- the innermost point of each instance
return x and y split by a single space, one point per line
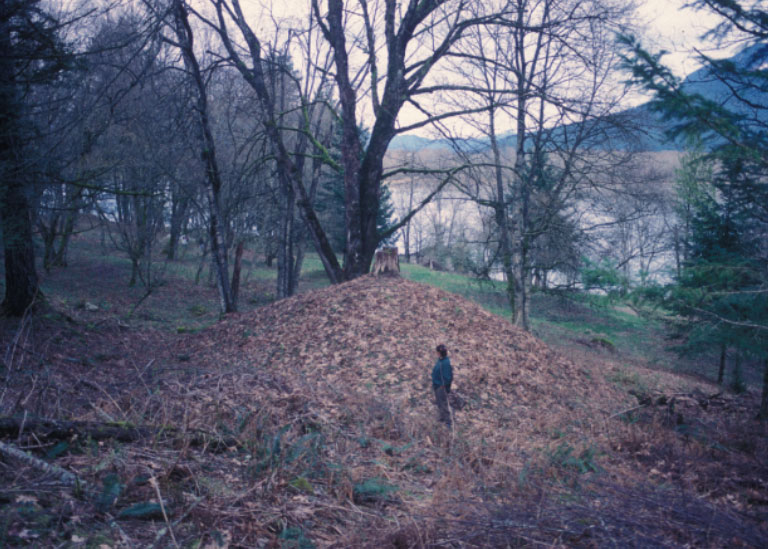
373 339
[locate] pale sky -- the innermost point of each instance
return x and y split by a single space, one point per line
668 25
672 27
663 24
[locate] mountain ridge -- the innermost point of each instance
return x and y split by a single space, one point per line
649 127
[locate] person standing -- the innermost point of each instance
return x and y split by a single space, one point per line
442 376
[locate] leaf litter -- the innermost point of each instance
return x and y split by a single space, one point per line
328 398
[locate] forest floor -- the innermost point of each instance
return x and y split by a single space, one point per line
309 422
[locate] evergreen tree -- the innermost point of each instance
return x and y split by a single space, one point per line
722 289
718 290
330 202
31 54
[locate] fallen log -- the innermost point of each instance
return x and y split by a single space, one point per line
666 399
57 429
64 476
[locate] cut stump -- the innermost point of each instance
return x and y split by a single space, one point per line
387 262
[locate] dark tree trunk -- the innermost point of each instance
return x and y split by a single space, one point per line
285 256
208 153
60 259
21 282
763 415
135 272
297 264
721 369
203 257
236 270
178 214
519 302
48 236
500 214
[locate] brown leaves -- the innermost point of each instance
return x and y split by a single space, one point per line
374 337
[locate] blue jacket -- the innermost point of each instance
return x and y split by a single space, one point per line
442 373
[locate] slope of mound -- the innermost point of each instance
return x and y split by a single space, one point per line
311 423
374 338
329 394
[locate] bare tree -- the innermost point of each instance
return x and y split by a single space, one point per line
359 42
184 39
545 72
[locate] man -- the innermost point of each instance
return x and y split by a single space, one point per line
442 376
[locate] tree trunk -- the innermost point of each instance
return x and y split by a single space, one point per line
721 369
203 256
763 415
500 212
207 146
517 245
60 259
21 282
134 272
178 214
57 429
285 256
173 239
49 251
297 264
236 270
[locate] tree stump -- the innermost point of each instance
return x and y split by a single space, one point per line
387 262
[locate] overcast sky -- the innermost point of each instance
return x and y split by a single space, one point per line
664 24
669 26
677 29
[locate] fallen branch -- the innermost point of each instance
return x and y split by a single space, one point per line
661 399
61 430
67 478
628 410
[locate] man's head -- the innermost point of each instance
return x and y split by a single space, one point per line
441 350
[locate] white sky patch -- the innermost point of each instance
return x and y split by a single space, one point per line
671 26
662 25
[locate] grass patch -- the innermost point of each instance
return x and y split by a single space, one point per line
372 490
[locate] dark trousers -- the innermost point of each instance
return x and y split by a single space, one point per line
443 412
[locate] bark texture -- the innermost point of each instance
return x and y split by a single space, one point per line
208 155
21 282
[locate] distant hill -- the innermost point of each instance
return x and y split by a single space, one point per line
639 128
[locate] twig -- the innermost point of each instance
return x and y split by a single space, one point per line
104 415
112 522
98 387
163 531
145 296
156 486
21 427
627 411
141 374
